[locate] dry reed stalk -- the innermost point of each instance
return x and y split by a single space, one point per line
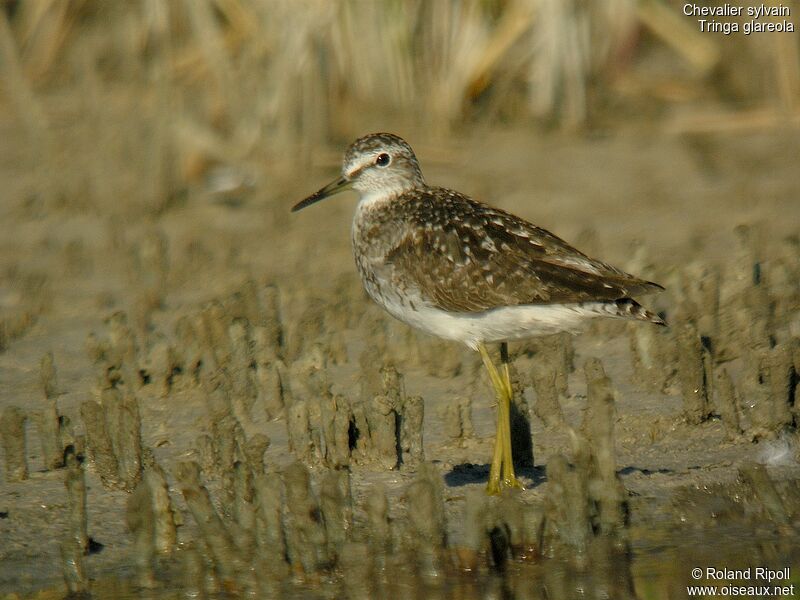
44 27
212 43
680 34
371 46
560 61
240 17
516 20
28 107
451 37
18 87
787 66
288 73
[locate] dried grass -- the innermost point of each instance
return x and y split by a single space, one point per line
254 81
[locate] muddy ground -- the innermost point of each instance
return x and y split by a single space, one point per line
83 238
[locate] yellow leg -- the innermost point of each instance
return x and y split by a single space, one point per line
501 473
509 478
493 486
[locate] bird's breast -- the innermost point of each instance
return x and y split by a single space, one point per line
373 237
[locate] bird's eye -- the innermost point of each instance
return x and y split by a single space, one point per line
383 160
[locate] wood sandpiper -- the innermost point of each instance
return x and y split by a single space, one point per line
464 271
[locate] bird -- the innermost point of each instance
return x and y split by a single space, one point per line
461 270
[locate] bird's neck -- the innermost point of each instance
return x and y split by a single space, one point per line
375 199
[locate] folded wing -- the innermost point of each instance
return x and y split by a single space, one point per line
488 258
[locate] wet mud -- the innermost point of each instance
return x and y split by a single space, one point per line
202 402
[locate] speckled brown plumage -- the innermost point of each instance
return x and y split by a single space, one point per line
465 256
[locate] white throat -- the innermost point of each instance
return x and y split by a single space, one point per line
374 198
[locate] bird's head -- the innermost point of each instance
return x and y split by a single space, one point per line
378 163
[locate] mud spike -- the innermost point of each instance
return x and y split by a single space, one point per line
13 440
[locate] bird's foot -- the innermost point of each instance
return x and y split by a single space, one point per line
496 486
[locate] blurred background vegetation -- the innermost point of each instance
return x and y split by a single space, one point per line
233 91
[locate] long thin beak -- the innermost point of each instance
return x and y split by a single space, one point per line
334 187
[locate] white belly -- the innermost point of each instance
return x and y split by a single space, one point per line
497 325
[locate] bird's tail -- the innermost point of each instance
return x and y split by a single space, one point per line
627 308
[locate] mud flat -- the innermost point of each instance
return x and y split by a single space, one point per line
202 401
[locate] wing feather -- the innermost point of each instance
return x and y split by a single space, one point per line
488 258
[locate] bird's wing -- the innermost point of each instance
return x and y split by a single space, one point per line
486 258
